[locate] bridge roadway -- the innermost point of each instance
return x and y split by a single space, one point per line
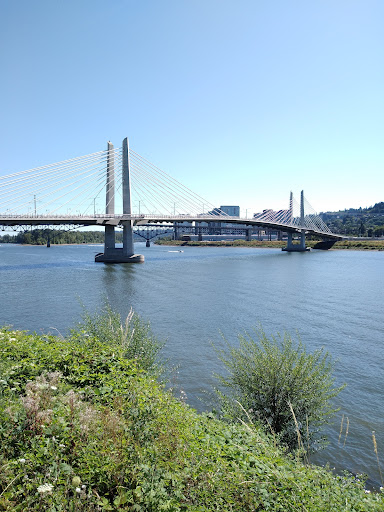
142 219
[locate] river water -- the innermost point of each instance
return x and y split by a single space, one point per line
332 299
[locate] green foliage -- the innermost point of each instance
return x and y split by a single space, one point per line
84 429
277 383
57 236
133 336
356 221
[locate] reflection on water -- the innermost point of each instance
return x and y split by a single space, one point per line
331 298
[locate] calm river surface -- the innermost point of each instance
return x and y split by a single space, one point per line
333 299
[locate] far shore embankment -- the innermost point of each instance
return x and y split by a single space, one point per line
357 245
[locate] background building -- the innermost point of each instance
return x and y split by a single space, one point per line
233 211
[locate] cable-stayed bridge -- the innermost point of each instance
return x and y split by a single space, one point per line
120 188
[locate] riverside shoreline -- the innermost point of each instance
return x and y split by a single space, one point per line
363 245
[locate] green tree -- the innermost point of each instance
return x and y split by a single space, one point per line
28 239
275 382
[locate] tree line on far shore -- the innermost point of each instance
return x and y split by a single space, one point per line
55 236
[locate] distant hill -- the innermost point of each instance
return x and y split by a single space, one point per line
357 221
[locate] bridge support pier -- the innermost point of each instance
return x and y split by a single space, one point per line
198 232
113 254
248 234
123 254
300 247
176 234
109 239
302 241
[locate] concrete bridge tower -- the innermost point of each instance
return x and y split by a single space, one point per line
300 247
109 237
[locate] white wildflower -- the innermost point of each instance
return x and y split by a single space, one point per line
367 492
78 490
22 461
54 388
45 488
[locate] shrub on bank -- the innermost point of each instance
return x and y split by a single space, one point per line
275 381
83 428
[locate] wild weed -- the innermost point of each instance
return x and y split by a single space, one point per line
377 456
132 337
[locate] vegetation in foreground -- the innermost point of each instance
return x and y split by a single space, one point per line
85 426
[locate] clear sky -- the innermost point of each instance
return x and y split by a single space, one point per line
242 101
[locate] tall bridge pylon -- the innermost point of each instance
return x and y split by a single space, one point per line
113 254
300 247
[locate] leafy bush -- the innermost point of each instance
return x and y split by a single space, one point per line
275 382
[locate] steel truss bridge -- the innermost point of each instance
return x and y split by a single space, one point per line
118 188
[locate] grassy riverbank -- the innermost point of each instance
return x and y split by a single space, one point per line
84 427
360 245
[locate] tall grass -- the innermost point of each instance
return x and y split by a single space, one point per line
132 335
377 456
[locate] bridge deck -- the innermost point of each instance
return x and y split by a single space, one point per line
137 220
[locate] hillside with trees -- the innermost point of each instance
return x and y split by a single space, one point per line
357 222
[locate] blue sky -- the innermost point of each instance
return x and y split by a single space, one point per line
240 101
